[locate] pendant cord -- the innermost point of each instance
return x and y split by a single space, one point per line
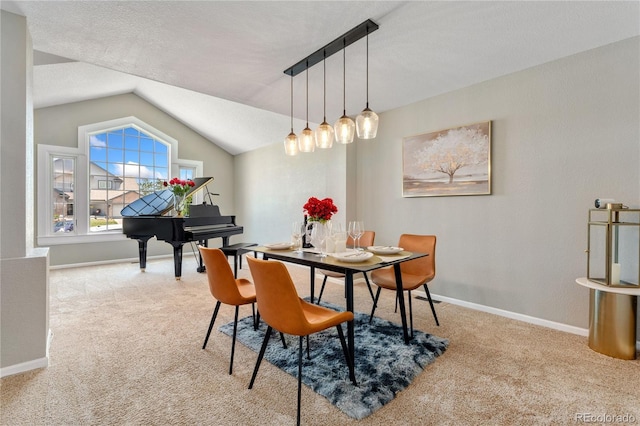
367 67
307 96
344 78
292 104
324 81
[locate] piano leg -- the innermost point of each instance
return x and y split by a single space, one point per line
177 259
142 252
201 268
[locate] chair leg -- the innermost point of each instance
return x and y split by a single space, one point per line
308 351
233 342
375 303
213 319
366 279
433 309
345 350
284 343
410 313
256 321
299 378
322 289
260 356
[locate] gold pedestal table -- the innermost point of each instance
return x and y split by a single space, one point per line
613 313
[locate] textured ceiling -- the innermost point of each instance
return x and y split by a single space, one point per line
218 65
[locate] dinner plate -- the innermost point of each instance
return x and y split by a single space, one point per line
384 249
278 246
352 256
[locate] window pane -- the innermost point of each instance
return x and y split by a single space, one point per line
115 139
161 160
146 144
98 153
115 155
161 148
132 157
63 170
146 159
132 142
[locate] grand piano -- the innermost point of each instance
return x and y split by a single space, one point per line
143 219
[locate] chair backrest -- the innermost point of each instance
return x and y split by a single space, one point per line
424 266
278 301
366 239
222 283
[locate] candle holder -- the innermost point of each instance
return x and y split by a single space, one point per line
613 251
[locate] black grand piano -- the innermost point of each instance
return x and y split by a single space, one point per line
143 219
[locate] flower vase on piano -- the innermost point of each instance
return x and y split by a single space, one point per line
179 187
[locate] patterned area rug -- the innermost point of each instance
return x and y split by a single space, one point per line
384 364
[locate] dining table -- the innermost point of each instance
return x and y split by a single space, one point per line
348 267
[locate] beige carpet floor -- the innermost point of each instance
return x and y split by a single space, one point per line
126 350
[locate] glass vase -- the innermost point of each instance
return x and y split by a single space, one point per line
179 204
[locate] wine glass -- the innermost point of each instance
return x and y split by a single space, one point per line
297 229
318 236
356 229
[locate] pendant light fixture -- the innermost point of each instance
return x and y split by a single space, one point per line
291 140
324 132
307 144
367 121
366 124
345 127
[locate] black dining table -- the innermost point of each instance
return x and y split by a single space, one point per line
330 263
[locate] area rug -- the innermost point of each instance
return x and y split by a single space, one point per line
384 364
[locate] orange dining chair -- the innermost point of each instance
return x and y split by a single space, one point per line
366 240
415 273
282 309
226 289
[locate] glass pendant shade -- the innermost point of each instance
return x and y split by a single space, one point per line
324 136
291 144
345 129
307 143
367 121
367 124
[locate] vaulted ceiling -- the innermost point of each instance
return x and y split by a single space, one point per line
218 66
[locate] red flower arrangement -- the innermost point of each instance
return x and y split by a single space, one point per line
179 186
320 210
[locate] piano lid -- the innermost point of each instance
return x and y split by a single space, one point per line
160 202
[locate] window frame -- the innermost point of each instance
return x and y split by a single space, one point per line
82 234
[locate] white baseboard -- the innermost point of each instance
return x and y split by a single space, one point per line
24 366
108 262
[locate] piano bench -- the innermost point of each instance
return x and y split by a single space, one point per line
237 250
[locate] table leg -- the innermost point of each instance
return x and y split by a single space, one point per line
313 283
348 283
400 298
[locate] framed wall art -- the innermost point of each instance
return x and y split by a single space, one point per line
454 161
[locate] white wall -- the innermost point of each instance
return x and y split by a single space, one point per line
24 271
564 133
271 188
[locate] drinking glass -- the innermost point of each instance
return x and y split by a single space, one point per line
339 236
297 229
318 236
356 229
